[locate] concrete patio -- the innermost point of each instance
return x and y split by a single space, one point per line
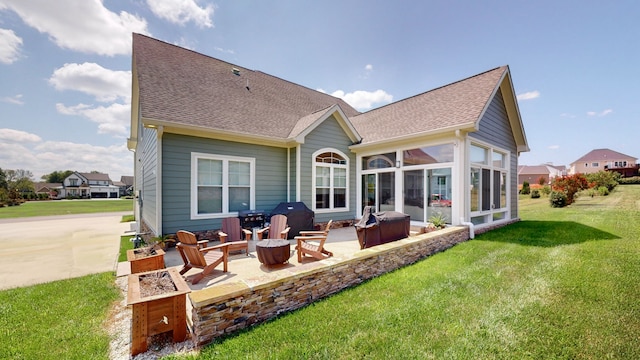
341 241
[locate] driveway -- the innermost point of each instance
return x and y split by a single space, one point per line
42 249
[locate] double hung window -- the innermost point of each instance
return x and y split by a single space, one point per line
221 185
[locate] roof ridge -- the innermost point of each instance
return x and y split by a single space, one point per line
434 89
194 51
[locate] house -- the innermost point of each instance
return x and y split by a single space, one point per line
533 174
49 189
87 186
125 185
605 159
212 139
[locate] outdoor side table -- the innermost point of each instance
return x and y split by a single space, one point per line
273 251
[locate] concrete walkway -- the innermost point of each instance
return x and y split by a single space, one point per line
42 249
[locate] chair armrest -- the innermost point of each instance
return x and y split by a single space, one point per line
203 243
305 238
285 232
260 232
216 247
311 232
223 236
247 234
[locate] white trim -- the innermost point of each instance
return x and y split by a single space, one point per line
331 209
288 174
159 132
298 175
506 168
225 200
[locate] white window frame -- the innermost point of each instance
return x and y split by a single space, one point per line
331 167
195 156
504 169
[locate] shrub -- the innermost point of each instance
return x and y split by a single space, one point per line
558 199
570 185
603 191
535 194
634 180
546 190
608 179
542 180
526 189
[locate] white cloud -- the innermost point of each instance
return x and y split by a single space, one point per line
228 51
363 100
554 147
10 44
17 99
567 115
28 151
529 95
80 25
113 119
17 136
368 67
93 79
600 114
182 11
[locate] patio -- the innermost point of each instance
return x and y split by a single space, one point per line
343 242
251 293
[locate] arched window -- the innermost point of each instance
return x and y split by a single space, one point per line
331 179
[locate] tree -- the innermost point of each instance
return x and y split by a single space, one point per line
570 185
608 179
57 176
3 180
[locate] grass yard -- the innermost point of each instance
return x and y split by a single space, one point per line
561 284
65 207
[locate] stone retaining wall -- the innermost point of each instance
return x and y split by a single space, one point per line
222 309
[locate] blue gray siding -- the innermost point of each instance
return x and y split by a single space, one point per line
329 134
271 177
146 180
495 129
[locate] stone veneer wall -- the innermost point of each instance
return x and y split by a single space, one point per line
223 309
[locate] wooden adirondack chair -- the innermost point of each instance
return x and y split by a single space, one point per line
312 243
233 234
207 258
277 229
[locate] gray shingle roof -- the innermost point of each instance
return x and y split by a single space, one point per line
181 87
187 88
455 105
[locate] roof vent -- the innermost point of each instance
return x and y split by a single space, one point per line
235 71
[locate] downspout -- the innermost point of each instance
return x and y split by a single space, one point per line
471 227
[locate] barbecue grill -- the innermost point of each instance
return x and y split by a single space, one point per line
250 219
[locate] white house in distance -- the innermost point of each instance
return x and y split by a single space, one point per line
532 174
604 159
88 186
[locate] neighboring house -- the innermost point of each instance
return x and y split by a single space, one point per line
125 185
88 186
533 174
605 159
212 139
50 189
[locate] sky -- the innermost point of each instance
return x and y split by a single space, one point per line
65 65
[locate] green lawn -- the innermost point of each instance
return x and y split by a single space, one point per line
561 284
65 207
